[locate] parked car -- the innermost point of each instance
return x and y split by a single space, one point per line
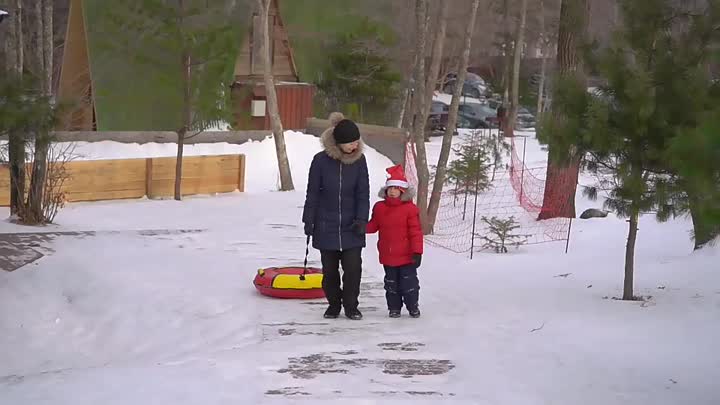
438 118
476 111
525 119
469 122
474 85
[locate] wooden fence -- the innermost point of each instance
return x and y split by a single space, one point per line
95 180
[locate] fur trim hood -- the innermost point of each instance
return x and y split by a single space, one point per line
332 149
408 195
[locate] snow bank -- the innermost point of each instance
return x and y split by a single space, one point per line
262 173
262 168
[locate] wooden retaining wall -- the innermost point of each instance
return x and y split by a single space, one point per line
114 179
389 140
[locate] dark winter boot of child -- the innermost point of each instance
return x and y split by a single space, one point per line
394 313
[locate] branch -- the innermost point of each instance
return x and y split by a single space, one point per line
194 135
537 329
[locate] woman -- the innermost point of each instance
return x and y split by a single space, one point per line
336 213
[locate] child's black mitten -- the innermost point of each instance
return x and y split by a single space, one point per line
417 259
359 226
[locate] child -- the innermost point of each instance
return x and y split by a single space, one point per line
400 242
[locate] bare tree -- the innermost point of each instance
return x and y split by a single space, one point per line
286 182
544 47
515 91
418 125
42 11
16 140
175 36
437 55
509 46
186 66
441 170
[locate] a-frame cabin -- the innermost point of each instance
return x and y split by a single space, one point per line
75 84
294 97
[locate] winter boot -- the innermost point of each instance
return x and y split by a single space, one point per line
353 314
332 312
414 312
394 313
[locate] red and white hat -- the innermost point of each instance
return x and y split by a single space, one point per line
397 177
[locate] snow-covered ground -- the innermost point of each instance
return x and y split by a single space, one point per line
157 306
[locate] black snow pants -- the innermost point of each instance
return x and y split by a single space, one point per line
402 286
351 261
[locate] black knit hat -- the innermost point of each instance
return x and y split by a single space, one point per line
346 132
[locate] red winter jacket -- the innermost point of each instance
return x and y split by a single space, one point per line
398 221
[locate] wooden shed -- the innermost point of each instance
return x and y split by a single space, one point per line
295 98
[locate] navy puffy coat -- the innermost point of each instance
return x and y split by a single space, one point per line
338 194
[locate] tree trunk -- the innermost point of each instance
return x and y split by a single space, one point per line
186 63
560 185
437 55
436 195
630 254
541 87
409 107
16 140
515 91
571 35
543 67
419 124
286 182
507 60
44 49
406 100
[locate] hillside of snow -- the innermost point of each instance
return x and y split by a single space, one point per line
152 302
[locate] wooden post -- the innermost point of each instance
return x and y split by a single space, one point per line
148 177
241 173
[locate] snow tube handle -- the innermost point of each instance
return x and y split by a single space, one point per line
307 252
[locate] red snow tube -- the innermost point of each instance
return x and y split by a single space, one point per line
286 282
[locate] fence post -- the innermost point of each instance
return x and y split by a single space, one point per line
477 186
567 241
522 171
148 177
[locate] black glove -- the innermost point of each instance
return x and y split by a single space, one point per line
309 227
359 227
417 259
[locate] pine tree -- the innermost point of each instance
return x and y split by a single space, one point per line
469 172
359 74
500 234
629 126
694 153
695 156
